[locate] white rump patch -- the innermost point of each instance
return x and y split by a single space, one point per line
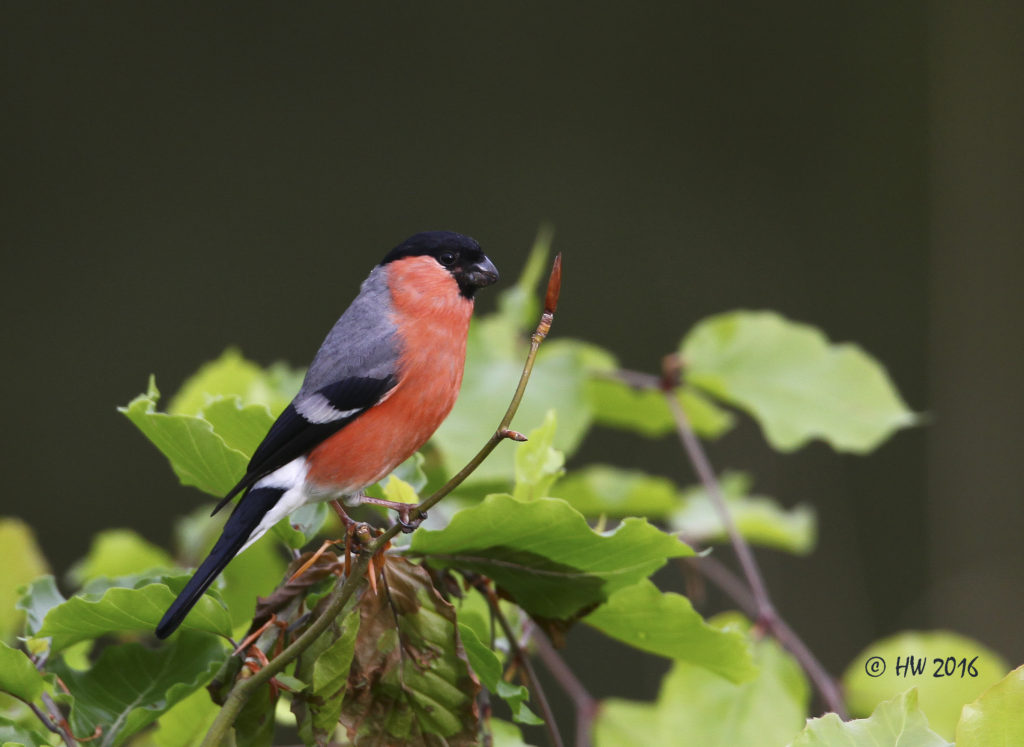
292 479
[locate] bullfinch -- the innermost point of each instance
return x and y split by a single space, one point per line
384 379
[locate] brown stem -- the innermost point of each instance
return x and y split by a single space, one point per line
586 705
536 691
702 465
58 718
756 602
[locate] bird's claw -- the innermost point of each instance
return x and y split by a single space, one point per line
408 524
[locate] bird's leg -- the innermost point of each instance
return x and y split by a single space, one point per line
346 520
402 509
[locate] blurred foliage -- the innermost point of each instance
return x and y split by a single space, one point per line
417 648
898 721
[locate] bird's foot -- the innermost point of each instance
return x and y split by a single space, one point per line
346 520
405 511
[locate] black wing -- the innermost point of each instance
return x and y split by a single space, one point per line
293 435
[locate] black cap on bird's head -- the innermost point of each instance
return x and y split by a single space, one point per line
460 255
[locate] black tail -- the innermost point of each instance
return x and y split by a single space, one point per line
243 520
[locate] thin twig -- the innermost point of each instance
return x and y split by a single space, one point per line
691 444
63 728
756 602
586 705
42 717
342 594
533 684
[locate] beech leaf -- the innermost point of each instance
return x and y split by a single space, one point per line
761 520
543 553
613 491
22 561
794 382
666 624
198 456
710 710
131 685
994 719
124 610
18 675
616 404
898 722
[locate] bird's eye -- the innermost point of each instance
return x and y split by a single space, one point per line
447 259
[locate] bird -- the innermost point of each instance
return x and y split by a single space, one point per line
386 376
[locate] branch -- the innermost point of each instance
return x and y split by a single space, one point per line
533 684
62 726
586 705
757 602
691 444
342 594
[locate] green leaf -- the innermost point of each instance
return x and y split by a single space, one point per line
118 552
251 574
325 665
495 353
761 520
410 682
398 490
896 722
243 427
994 719
122 610
18 675
516 696
231 375
39 598
198 456
255 724
545 555
410 472
667 625
706 418
22 561
710 711
301 525
130 685
616 404
612 491
797 385
12 733
482 659
487 667
506 734
185 724
941 698
538 464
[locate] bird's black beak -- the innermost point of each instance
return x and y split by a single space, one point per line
480 274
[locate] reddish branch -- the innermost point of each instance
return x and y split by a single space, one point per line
753 596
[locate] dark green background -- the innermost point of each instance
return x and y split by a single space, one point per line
179 178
